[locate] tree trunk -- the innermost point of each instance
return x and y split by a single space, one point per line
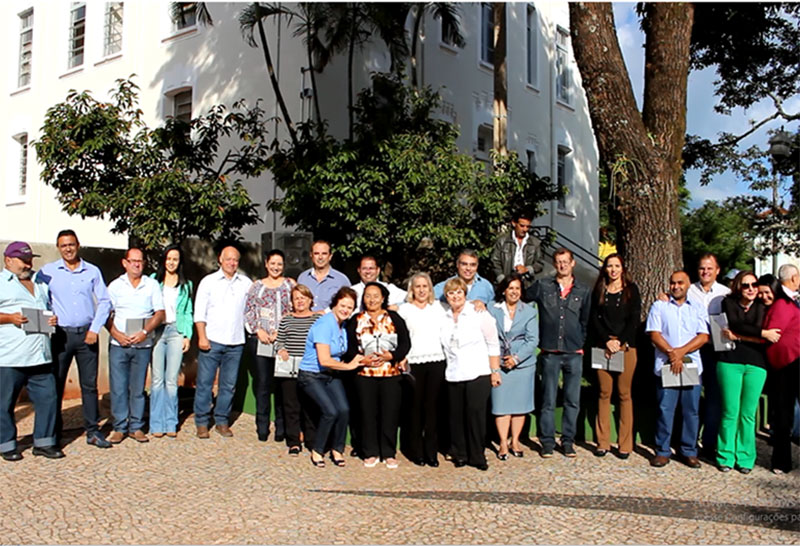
641 151
420 13
275 85
350 54
311 71
500 106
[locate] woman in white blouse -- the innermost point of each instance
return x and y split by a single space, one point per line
424 318
472 350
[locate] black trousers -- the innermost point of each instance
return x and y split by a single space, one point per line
785 386
379 403
68 344
263 368
349 381
468 404
296 415
422 438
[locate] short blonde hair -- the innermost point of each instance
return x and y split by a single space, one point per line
304 290
410 295
454 284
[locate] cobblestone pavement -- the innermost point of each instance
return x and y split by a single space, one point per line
241 491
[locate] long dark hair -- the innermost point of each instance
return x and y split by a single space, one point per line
736 285
769 280
162 269
602 281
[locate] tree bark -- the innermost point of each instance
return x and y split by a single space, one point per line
500 105
274 81
641 151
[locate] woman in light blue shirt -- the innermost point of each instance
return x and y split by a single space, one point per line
325 345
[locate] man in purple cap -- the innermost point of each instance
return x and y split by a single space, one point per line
25 359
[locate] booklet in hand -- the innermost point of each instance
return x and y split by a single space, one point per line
134 325
689 376
614 364
37 321
719 323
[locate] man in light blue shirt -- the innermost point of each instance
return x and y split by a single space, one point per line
135 298
25 359
677 328
478 288
323 280
80 299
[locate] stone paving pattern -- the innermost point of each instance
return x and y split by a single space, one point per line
241 491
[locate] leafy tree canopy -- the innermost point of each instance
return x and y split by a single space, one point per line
157 185
722 229
401 190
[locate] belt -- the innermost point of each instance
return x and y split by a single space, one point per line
75 330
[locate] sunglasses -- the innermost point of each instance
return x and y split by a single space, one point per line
748 285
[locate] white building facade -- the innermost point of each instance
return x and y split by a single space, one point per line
183 68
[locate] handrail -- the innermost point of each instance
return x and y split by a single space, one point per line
549 237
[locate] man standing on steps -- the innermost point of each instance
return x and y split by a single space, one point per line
517 251
219 318
80 300
323 280
564 305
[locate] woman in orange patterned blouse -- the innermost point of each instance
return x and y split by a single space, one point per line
382 337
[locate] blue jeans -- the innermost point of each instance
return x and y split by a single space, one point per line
571 365
690 404
225 358
127 372
328 393
167 360
41 384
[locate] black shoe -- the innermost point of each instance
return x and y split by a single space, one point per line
622 455
569 451
354 452
458 463
516 453
418 462
502 456
743 470
434 463
483 467
262 437
280 437
97 440
546 453
724 469
51 452
12 455
600 452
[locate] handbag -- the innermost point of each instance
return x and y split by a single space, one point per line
287 369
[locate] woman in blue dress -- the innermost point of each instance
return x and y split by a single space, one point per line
518 329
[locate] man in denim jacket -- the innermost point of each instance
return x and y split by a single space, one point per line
564 305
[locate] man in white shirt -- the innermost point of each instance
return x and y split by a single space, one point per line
516 250
138 309
369 271
219 319
709 293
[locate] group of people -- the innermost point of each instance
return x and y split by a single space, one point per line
371 357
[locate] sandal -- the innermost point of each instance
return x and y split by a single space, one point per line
294 451
319 464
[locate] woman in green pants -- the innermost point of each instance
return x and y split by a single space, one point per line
741 373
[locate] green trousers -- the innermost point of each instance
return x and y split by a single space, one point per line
740 388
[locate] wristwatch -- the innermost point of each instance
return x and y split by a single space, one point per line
144 331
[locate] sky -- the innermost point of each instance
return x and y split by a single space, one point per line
701 118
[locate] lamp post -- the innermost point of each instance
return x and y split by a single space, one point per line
780 145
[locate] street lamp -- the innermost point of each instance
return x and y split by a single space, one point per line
780 145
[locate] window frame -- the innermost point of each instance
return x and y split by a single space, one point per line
486 33
563 79
183 24
531 46
563 176
22 74
76 54
113 30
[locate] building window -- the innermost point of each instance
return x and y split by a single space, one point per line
182 105
485 140
448 30
563 76
530 45
487 33
22 186
25 48
113 29
531 155
564 176
77 33
184 15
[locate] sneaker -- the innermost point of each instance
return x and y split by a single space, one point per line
391 462
569 451
97 440
51 452
371 462
546 453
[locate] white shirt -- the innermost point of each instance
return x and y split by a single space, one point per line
424 326
789 292
711 300
220 304
396 295
678 324
469 343
129 302
170 303
519 258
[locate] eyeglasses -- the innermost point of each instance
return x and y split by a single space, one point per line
749 285
455 292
